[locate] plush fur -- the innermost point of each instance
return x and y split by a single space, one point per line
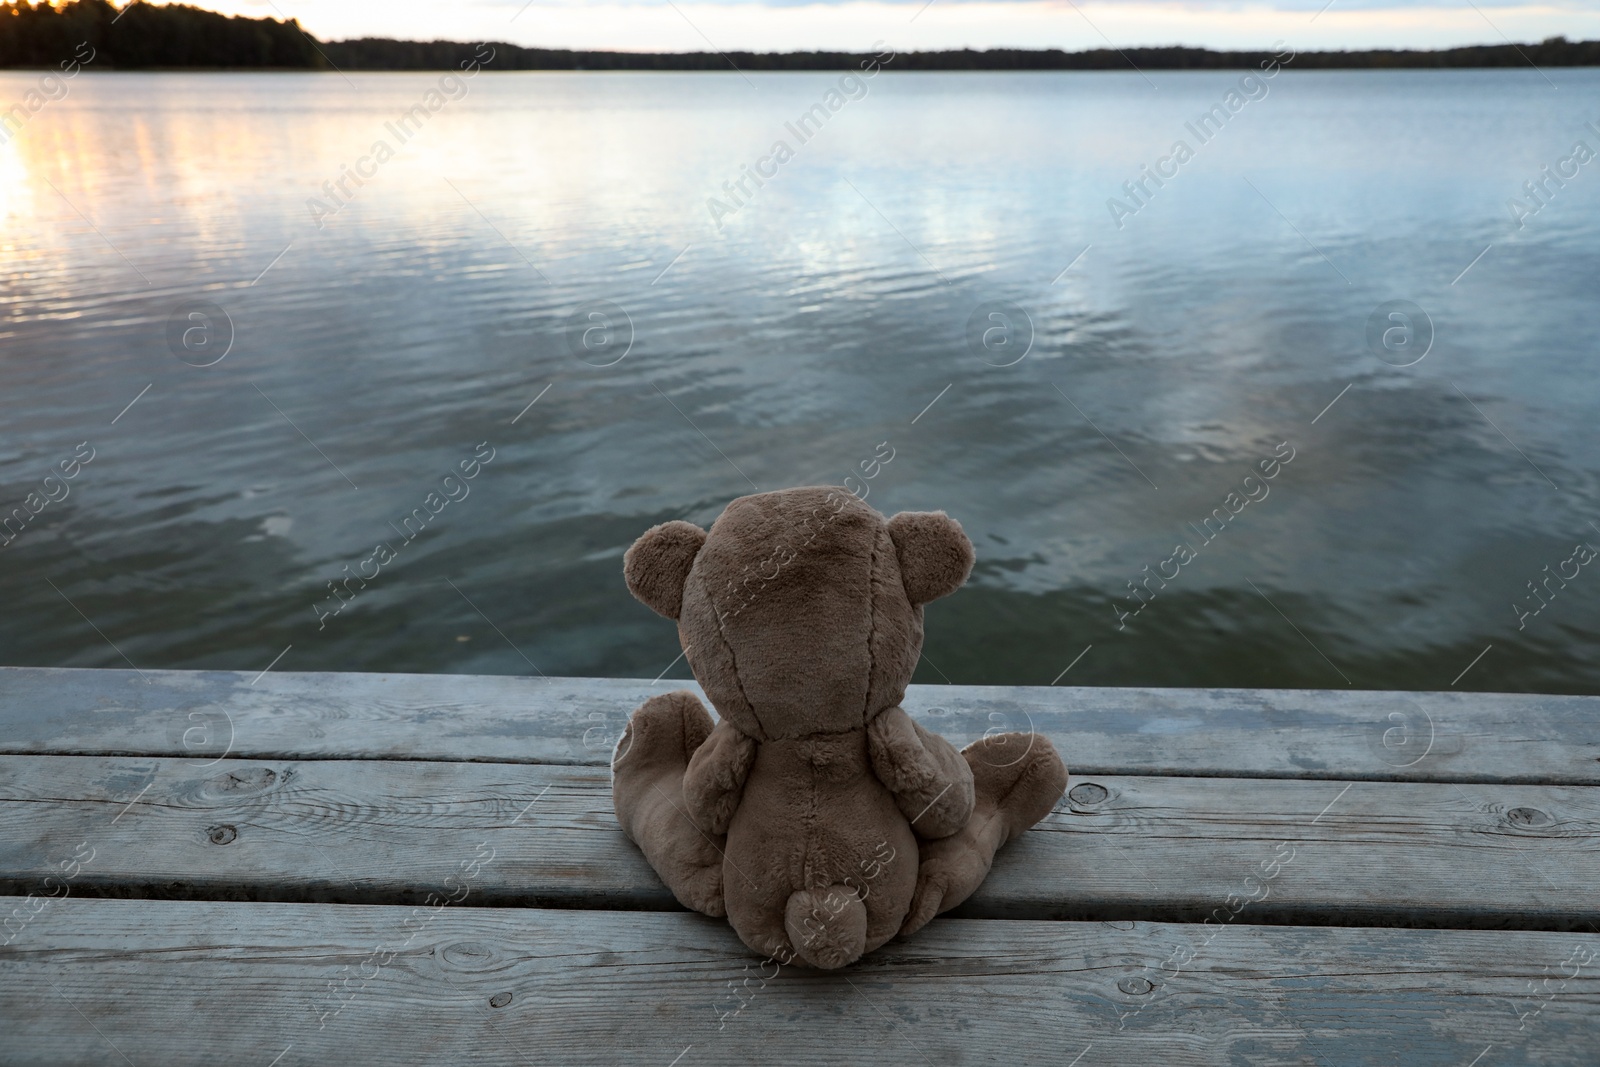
817 815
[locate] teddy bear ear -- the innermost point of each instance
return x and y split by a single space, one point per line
657 566
934 553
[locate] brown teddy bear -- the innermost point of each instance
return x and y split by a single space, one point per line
817 815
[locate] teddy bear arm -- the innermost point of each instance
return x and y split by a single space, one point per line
930 781
715 779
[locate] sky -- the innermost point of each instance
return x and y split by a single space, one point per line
906 25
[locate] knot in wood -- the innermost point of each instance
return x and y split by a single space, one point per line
222 835
1528 817
499 1000
470 955
1136 985
242 781
1088 794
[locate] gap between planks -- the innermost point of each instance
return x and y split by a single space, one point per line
1304 734
1116 848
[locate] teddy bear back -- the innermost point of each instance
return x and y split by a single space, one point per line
800 610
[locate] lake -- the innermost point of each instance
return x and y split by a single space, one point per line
1313 380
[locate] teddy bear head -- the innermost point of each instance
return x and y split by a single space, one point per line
800 611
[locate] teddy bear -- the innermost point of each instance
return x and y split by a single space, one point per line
815 814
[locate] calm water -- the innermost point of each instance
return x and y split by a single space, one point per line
819 321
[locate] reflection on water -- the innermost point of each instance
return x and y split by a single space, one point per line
547 237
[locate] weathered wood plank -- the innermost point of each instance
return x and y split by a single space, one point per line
180 983
1197 732
1238 850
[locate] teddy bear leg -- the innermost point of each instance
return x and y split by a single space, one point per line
756 912
1017 778
647 791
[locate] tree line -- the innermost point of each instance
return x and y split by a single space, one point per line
148 35
144 36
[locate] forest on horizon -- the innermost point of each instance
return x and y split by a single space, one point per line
146 36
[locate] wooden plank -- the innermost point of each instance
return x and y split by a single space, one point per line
181 983
1332 735
1239 850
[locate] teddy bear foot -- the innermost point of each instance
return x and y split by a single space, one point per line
1017 778
647 791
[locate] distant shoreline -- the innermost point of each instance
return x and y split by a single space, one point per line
372 55
382 54
108 70
155 37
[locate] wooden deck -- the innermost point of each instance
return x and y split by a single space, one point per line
338 868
